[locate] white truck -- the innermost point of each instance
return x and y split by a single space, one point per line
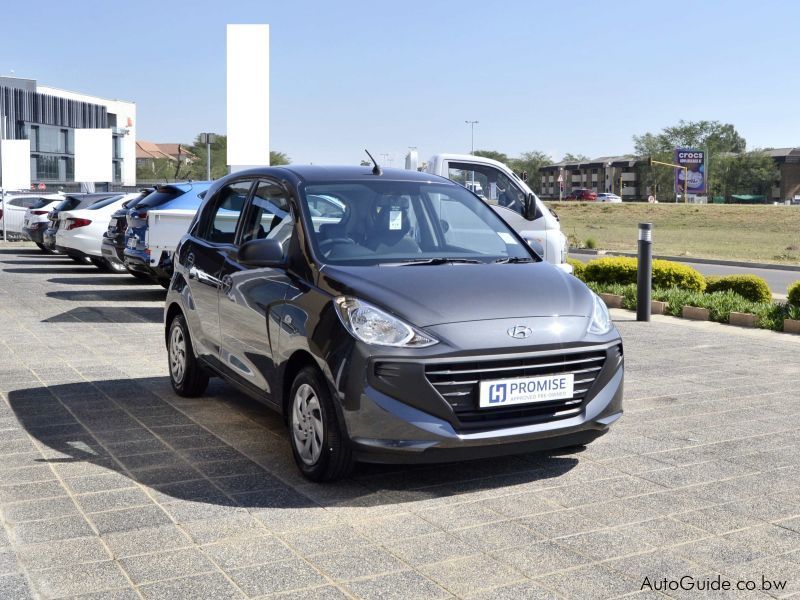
508 195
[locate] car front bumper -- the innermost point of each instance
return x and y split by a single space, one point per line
36 232
391 427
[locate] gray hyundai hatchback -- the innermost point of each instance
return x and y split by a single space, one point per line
389 316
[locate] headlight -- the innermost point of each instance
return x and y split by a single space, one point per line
601 320
374 326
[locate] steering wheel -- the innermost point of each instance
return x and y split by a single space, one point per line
326 246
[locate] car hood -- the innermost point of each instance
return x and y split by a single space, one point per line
427 295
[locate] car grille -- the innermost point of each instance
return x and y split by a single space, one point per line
458 383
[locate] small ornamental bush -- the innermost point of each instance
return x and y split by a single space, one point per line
578 268
794 293
622 270
750 287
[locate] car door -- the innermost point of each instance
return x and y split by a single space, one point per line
214 238
249 298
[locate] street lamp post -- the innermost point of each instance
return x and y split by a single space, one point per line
207 139
472 134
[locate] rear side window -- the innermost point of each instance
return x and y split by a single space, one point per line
41 203
105 202
160 197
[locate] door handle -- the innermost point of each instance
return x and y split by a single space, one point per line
226 284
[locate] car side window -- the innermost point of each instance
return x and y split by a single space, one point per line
220 225
269 215
489 183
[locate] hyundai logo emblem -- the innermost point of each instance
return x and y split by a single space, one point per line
519 332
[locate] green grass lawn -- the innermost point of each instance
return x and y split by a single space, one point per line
763 233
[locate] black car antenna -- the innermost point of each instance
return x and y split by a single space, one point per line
376 170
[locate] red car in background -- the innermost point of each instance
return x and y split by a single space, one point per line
582 194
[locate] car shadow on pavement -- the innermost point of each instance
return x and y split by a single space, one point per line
71 267
130 295
110 314
90 431
102 279
37 261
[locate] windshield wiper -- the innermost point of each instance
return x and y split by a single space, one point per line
514 259
439 260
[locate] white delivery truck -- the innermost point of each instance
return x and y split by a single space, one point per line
508 195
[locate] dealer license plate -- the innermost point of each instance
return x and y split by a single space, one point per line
524 390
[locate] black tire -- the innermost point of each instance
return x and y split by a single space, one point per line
100 263
190 380
335 457
44 248
81 260
139 275
114 266
164 283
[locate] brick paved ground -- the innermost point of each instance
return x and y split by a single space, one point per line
111 485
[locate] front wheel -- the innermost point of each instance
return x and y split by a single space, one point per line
114 266
188 378
319 442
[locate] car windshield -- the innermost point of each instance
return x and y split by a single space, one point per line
406 222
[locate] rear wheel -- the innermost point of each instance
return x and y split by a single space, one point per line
139 275
319 442
188 378
114 266
100 263
44 248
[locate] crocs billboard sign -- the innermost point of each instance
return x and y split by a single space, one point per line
695 162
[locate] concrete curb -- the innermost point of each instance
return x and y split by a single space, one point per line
705 261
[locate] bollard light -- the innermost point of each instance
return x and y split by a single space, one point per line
644 273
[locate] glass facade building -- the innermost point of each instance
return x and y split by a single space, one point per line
49 122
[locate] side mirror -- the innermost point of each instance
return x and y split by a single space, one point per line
532 210
533 241
261 253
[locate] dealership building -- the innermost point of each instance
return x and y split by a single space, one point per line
48 117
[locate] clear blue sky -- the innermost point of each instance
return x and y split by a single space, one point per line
578 76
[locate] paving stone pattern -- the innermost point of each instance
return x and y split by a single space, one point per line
112 486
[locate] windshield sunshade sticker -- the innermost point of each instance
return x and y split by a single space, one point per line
395 220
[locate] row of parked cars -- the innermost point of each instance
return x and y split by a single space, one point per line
108 230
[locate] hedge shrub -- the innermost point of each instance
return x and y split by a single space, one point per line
794 293
578 268
622 270
750 287
769 315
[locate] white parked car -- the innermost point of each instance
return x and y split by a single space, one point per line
612 198
80 232
36 222
12 212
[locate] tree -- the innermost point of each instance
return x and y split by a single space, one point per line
531 162
751 172
569 157
493 154
278 158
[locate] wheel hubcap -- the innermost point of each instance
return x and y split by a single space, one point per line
177 354
307 427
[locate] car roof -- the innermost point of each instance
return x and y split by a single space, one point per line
318 173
